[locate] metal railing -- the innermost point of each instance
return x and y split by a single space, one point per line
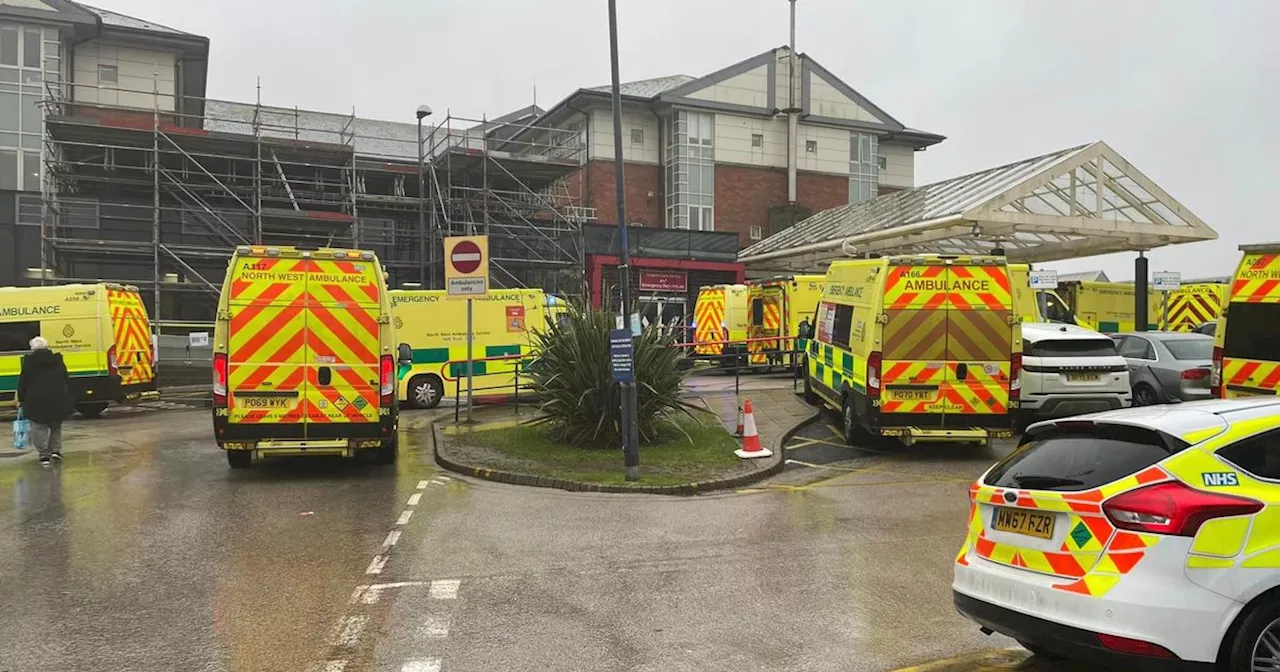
737 355
520 362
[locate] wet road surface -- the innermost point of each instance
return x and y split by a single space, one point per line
143 551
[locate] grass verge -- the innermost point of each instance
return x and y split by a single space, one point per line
705 454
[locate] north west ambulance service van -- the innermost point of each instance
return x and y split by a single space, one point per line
304 356
101 331
1246 353
720 314
921 347
432 331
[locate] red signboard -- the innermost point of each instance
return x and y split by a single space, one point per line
466 257
663 281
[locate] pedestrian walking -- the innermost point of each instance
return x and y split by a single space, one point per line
44 392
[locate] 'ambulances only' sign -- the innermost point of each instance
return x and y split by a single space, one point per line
466 269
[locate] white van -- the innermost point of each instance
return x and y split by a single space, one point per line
1069 370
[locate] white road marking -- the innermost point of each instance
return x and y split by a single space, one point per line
435 627
404 517
374 592
440 481
334 666
445 589
444 478
422 485
392 537
415 498
375 567
429 665
349 631
357 593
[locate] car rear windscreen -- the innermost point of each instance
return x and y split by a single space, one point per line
1088 347
1081 457
1253 331
1190 348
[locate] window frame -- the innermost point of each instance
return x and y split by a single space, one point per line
113 68
755 232
835 327
864 166
690 152
1270 434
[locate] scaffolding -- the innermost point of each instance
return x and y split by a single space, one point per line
158 192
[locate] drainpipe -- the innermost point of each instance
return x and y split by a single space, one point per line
793 119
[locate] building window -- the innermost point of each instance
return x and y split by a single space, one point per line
690 171
810 146
757 232
30 60
882 162
757 140
108 74
637 136
864 167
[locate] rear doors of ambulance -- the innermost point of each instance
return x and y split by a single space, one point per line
948 343
768 306
131 338
303 343
1247 358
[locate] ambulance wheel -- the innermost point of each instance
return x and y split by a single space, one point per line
849 423
239 459
425 391
386 453
1255 636
91 409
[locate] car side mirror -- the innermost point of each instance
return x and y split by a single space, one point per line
405 354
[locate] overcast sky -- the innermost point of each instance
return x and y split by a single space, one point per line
1186 90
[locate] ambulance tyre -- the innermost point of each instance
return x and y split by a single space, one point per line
91 409
849 424
386 453
425 391
239 459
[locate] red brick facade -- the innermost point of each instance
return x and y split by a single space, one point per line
744 194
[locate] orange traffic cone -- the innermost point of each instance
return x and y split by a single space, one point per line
737 433
751 447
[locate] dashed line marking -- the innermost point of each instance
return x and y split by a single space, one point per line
415 498
444 478
349 630
430 665
435 627
375 567
445 589
422 485
404 517
392 538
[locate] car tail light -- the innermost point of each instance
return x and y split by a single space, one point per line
1215 374
873 376
1195 374
1134 647
1015 373
113 366
388 367
220 379
1173 508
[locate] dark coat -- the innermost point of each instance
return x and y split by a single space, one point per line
44 388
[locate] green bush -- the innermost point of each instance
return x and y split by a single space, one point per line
580 403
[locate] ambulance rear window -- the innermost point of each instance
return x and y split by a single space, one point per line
1253 331
16 336
757 312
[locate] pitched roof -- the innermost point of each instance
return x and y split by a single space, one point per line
118 20
647 88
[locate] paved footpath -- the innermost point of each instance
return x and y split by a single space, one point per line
776 407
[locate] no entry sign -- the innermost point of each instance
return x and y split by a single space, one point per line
466 268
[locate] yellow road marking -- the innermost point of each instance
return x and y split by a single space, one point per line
982 661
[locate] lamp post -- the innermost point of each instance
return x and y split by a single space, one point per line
425 264
630 437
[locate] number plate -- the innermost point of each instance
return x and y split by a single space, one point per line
1083 377
264 402
912 394
1021 521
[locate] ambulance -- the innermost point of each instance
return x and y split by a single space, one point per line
432 329
101 331
304 356
1192 305
1246 353
920 347
720 314
777 307
1106 307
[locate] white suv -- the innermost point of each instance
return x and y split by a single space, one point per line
1069 370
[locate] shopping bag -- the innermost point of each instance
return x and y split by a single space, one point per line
21 432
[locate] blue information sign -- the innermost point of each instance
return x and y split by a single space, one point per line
621 361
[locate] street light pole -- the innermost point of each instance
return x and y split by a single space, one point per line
630 431
426 248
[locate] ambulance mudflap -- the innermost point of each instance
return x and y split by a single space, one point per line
948 360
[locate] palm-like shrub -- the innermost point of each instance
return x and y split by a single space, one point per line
580 403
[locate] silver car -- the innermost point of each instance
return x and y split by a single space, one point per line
1167 367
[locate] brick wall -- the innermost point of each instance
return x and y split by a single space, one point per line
744 195
596 183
